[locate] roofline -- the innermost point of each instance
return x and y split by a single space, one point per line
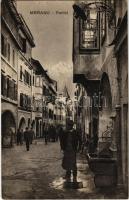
20 20
27 31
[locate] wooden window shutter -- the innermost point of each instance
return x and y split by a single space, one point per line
21 72
4 85
8 51
15 91
24 45
8 87
11 89
21 99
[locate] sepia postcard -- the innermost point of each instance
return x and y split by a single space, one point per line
64 99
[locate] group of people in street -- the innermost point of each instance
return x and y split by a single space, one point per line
71 142
27 136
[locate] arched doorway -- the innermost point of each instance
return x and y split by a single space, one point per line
22 124
8 129
105 122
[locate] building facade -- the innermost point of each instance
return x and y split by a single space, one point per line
10 48
44 96
100 66
28 92
25 77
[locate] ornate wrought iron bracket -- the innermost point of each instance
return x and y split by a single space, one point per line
82 10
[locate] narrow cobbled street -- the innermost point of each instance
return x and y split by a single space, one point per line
37 174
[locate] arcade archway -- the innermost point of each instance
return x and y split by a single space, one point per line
22 124
8 128
105 122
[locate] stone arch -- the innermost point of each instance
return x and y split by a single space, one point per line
8 128
22 123
33 124
106 104
105 89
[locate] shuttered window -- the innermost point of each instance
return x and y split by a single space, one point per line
11 89
24 45
27 78
15 92
8 87
8 52
20 72
13 58
3 46
4 85
25 102
21 99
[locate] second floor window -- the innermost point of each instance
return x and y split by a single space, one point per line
103 27
38 81
8 52
22 41
25 101
20 72
27 78
13 58
8 87
3 46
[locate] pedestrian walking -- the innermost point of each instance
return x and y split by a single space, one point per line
19 137
31 135
70 141
27 138
53 133
22 136
46 135
60 134
57 133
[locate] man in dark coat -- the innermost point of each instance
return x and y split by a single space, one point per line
19 136
31 135
27 138
70 141
46 136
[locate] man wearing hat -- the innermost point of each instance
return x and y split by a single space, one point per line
70 141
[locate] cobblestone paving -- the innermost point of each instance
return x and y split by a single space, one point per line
37 174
